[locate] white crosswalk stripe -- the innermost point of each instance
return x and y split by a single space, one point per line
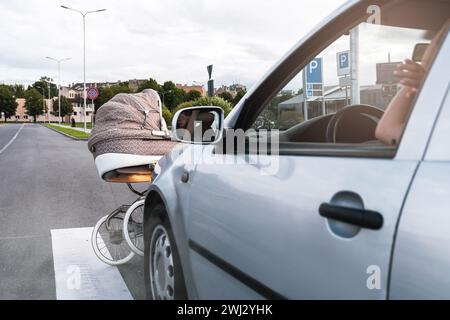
79 274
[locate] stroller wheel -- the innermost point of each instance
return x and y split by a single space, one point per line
133 227
109 244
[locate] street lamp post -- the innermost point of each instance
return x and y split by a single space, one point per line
163 94
59 84
84 14
43 100
49 97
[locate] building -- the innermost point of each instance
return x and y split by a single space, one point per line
74 98
79 86
74 93
68 92
232 89
22 114
335 98
134 84
186 88
220 90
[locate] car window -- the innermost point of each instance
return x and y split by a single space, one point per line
350 92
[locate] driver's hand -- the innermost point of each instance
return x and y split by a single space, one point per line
411 75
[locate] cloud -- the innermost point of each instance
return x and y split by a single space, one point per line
166 40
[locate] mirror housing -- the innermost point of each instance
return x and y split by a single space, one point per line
198 125
419 51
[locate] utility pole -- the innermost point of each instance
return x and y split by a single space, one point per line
48 102
84 14
59 84
163 95
354 72
210 81
305 96
43 99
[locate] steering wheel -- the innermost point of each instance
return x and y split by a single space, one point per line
354 124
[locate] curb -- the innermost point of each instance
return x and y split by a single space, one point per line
65 134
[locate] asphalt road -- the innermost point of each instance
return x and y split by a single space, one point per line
48 181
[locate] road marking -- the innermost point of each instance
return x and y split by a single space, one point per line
79 274
12 139
20 237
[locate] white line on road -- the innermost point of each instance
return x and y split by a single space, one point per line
79 274
12 139
20 237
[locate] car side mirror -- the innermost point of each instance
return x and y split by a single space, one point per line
198 125
419 51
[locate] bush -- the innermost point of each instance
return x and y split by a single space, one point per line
167 115
226 96
206 101
183 105
289 118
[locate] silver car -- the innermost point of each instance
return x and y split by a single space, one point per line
293 196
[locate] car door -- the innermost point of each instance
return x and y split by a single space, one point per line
260 234
420 256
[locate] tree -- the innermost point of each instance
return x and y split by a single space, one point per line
238 97
206 101
8 103
167 115
226 96
66 107
18 91
150 84
33 103
193 95
42 86
271 118
266 120
173 96
106 93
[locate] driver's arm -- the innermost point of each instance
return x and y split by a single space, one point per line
411 74
390 127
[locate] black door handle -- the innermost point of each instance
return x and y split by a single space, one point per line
360 217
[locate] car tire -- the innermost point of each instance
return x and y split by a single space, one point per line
162 267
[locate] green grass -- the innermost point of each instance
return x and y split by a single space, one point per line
73 133
78 125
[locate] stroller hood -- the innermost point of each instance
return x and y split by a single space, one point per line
129 132
131 124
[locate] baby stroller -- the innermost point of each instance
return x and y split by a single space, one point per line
129 137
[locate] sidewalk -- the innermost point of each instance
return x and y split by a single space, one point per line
74 128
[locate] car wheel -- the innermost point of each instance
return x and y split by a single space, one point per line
162 268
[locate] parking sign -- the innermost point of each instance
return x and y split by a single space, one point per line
314 78
314 71
343 63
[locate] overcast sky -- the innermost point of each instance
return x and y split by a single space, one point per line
166 40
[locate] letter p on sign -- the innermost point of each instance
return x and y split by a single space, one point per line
343 63
313 66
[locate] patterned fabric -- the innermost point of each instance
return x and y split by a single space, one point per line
132 124
134 146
